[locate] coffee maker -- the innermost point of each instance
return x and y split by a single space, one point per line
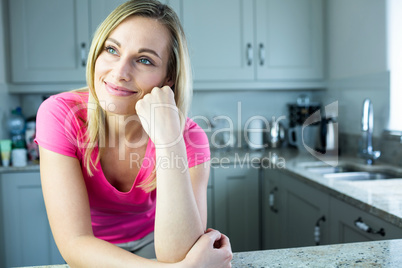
300 134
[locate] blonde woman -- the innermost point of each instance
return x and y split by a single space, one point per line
123 169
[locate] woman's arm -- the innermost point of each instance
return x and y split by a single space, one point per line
181 192
68 211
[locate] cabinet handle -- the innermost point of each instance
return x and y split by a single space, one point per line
317 230
262 54
249 54
359 223
272 200
83 55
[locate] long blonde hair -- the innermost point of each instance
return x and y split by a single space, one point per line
179 70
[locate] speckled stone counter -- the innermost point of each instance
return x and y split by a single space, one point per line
365 254
29 167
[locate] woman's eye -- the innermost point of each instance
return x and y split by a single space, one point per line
111 50
145 61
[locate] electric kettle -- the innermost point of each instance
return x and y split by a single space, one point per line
276 134
327 142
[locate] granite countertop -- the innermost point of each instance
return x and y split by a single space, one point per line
365 254
381 198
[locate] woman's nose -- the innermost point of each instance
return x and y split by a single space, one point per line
122 70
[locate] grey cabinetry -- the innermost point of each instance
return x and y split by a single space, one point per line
255 41
289 39
49 40
272 207
294 213
305 209
350 224
236 205
28 239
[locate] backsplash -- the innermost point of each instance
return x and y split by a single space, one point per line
391 148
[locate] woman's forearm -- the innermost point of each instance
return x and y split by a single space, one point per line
178 222
88 251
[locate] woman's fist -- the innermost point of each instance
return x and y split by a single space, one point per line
160 116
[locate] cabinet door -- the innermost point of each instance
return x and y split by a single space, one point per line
220 37
305 208
236 203
49 40
28 238
345 222
272 209
289 39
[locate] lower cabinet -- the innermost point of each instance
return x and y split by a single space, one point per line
237 205
272 207
294 214
305 216
350 224
27 236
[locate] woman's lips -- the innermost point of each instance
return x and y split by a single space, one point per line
118 91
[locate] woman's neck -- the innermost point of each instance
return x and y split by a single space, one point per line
124 130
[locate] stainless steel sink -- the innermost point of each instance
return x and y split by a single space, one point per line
350 172
360 176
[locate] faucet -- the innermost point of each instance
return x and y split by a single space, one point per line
367 152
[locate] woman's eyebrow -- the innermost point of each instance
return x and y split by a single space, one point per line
149 51
114 41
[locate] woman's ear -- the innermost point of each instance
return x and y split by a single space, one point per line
169 82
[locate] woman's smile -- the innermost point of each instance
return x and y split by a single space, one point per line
118 91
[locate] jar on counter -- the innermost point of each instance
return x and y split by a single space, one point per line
32 147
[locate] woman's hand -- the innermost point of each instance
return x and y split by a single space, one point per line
159 116
211 250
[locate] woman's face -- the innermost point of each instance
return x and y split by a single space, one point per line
133 62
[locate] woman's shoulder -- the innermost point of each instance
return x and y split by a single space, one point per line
65 101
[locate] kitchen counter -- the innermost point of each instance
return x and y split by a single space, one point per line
365 254
381 198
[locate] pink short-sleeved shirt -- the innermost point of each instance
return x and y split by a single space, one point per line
117 217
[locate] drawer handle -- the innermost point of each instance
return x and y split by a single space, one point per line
249 54
83 55
359 223
317 230
262 54
272 200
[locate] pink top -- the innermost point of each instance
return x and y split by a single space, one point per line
117 217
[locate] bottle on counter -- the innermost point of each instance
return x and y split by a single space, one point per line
16 125
32 147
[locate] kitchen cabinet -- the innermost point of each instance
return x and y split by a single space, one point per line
351 224
237 205
254 41
50 40
306 211
28 239
272 207
294 213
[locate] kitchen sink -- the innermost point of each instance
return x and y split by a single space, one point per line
360 176
351 172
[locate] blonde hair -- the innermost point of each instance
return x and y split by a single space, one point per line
179 70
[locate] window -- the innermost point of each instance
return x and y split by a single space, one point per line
394 36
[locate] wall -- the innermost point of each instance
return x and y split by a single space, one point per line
357 61
7 102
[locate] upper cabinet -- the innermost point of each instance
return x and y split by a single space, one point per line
289 39
255 42
234 44
49 40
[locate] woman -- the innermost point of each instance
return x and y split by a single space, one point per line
105 150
